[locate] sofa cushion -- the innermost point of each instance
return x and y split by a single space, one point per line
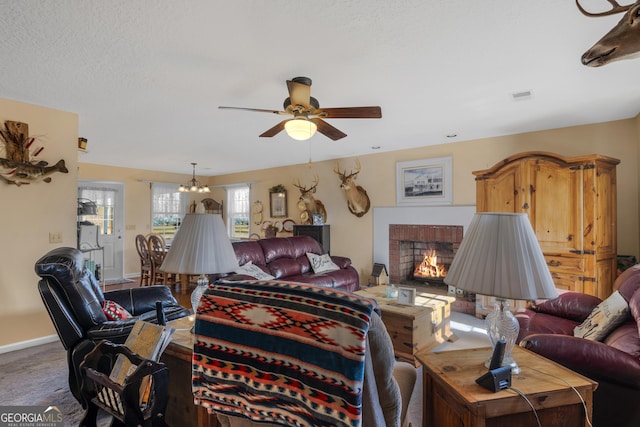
569 305
252 270
628 282
625 338
634 308
323 280
608 315
286 267
532 322
290 247
340 261
321 263
276 248
249 251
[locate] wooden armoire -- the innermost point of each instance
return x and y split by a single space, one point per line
571 203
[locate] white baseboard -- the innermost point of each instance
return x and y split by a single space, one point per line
29 343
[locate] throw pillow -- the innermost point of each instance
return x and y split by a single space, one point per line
254 271
115 311
608 315
321 263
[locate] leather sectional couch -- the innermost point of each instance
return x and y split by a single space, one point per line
285 258
614 362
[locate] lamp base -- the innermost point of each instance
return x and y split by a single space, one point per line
202 285
503 325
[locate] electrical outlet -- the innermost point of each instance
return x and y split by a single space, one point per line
130 227
55 237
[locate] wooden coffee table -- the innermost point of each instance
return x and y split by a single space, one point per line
452 397
181 410
417 327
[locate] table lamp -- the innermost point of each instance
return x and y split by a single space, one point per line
500 256
200 246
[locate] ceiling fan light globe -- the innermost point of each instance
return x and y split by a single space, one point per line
300 129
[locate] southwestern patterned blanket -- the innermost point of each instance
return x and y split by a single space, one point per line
281 352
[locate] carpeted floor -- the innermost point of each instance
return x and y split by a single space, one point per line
37 376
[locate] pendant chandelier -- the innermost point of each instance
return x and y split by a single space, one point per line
194 185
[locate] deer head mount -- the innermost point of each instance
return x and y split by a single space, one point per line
312 206
357 198
621 42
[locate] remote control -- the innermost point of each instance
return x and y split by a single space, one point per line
498 355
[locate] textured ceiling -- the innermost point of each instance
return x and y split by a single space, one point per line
146 76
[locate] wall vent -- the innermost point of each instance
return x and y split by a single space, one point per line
520 96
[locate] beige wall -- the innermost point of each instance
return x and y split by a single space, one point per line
29 213
353 237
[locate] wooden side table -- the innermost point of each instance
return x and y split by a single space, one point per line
417 327
452 397
181 411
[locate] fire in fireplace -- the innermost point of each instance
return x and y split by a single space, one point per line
408 245
429 267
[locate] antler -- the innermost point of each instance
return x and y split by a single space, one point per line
343 175
304 189
299 186
315 181
615 8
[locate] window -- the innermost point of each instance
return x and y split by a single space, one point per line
238 212
168 207
104 198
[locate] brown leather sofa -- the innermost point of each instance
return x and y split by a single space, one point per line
74 301
285 259
614 363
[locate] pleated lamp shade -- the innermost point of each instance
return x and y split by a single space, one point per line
201 246
500 256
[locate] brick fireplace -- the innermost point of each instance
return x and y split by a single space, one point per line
409 242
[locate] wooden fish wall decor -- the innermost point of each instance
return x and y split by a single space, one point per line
21 164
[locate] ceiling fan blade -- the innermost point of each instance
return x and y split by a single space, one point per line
259 110
328 130
274 130
299 93
350 113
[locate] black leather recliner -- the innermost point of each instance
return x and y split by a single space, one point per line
74 301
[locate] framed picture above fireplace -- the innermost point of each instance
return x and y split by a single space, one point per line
424 182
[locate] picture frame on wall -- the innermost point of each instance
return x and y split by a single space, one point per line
424 182
278 204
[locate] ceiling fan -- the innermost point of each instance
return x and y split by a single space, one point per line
307 114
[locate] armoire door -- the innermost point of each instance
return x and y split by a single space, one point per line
502 192
556 206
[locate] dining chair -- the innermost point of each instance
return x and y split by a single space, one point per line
158 250
146 265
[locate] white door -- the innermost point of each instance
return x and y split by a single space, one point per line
109 199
